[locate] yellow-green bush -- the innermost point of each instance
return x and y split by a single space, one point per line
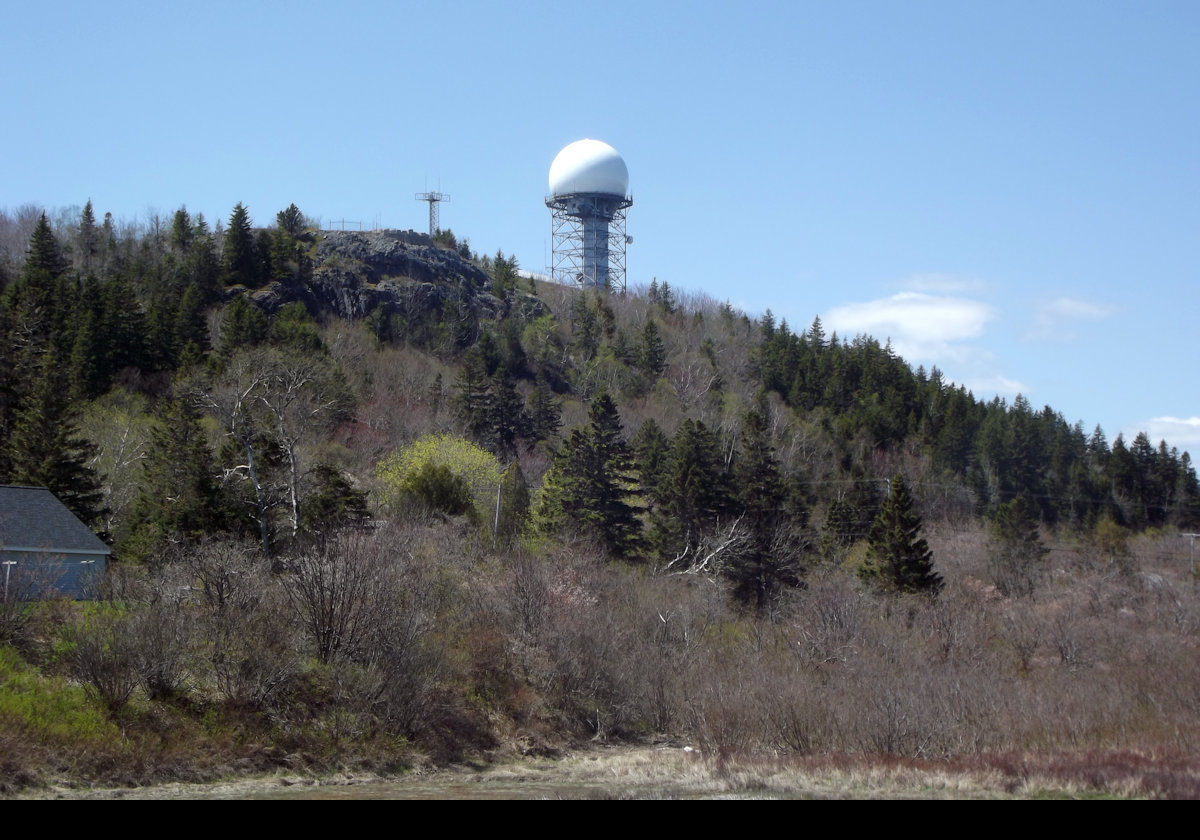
403 471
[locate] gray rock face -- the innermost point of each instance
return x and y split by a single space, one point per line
355 272
388 273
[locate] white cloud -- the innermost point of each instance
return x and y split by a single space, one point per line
984 386
922 327
1052 319
1181 432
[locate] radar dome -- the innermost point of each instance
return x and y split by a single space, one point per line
589 166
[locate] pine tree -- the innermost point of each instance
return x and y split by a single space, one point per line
585 328
898 559
1014 548
190 325
512 513
507 421
239 256
764 565
45 448
544 410
181 499
651 353
44 252
183 232
332 503
694 490
123 327
473 399
244 326
89 237
592 484
87 376
650 447
291 220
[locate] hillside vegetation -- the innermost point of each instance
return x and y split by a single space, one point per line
375 498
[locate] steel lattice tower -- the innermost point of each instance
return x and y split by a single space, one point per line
434 198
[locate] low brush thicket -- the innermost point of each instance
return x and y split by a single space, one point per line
374 648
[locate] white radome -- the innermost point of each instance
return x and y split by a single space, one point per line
589 166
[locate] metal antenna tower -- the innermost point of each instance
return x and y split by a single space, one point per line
433 198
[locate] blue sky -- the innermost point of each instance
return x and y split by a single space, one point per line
1010 191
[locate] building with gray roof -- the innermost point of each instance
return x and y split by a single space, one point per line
44 548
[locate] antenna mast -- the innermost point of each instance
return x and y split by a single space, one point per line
433 198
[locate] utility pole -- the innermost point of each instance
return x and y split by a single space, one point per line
1192 538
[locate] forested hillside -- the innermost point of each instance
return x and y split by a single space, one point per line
411 492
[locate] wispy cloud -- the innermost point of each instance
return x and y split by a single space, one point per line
1052 319
926 328
921 326
1002 386
1183 432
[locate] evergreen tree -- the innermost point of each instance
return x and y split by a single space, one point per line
694 490
239 256
544 411
592 485
512 513
651 447
124 331
898 558
766 563
333 503
87 376
1015 548
45 448
585 328
44 254
473 399
294 328
202 266
183 231
89 238
190 326
651 353
507 420
244 326
181 499
291 220
666 298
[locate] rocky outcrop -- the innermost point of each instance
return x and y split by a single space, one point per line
354 274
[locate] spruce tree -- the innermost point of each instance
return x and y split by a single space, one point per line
1015 548
89 238
183 232
44 252
45 448
181 499
239 258
651 353
592 484
764 565
544 411
332 503
898 559
507 420
473 398
694 490
512 512
291 220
